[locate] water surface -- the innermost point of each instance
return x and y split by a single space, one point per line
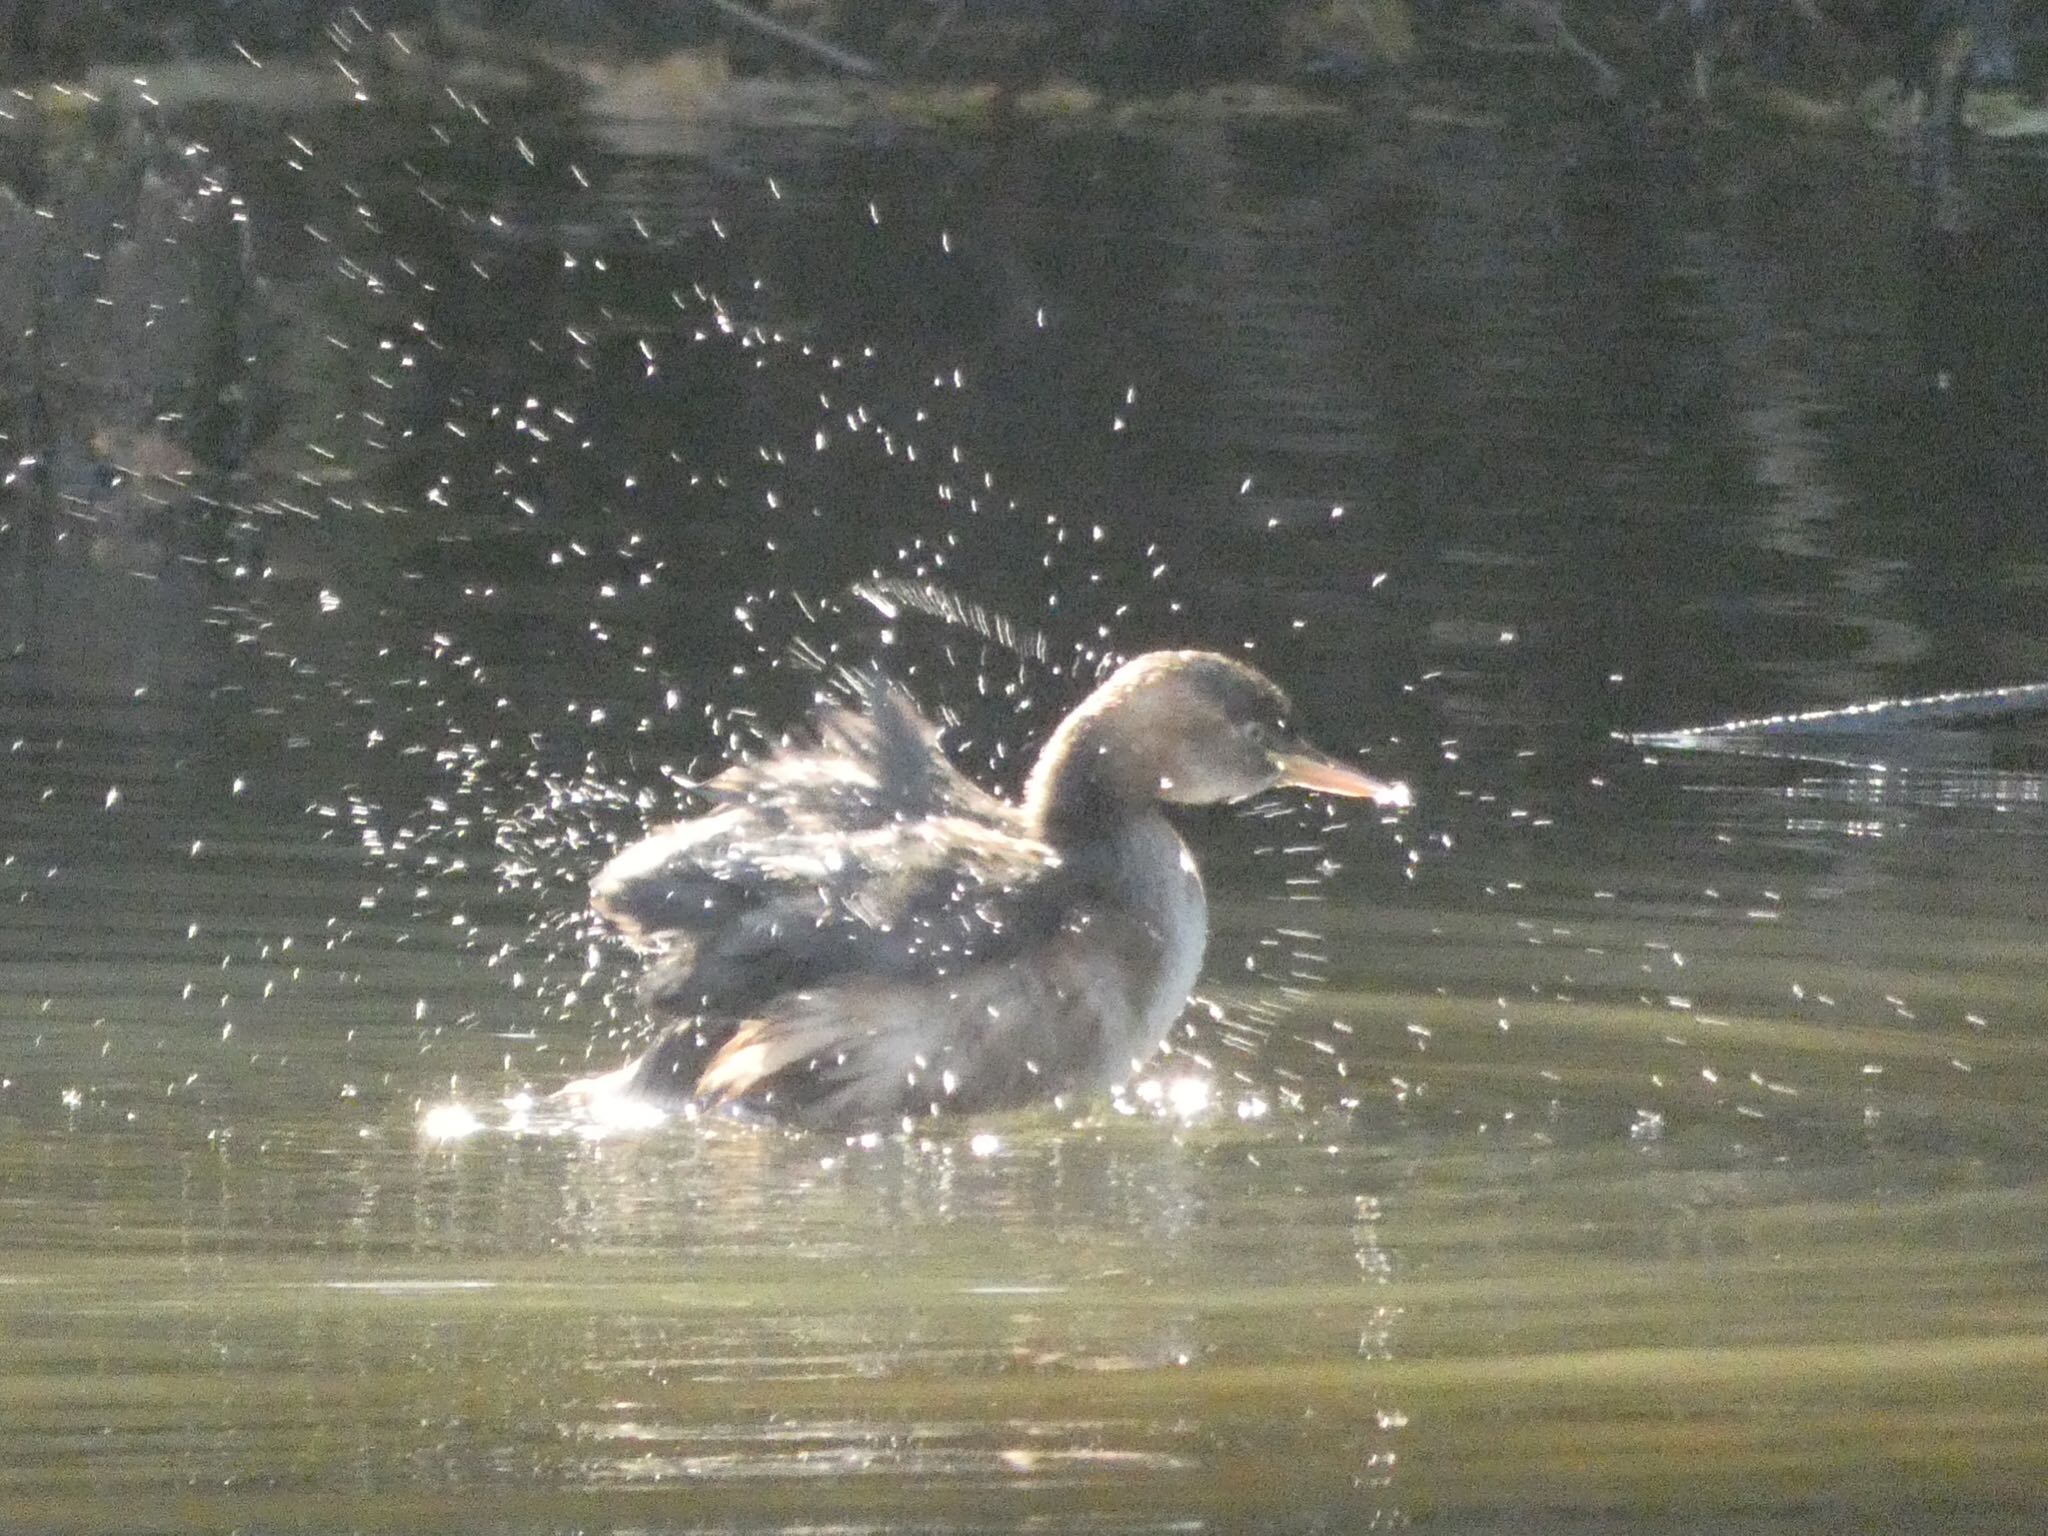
1617 1142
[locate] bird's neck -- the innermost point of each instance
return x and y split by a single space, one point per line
1084 786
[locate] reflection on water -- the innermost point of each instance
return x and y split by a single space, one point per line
1631 1140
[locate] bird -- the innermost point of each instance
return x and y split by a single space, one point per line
853 935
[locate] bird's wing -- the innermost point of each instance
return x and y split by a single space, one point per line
878 763
869 853
1060 1012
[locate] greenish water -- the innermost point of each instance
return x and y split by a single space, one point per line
1669 1153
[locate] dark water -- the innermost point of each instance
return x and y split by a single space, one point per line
1614 1143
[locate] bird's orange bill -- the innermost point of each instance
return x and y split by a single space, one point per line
1310 770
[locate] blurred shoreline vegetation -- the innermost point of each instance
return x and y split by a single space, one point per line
1806 63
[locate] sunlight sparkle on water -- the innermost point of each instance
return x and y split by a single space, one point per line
518 1112
449 1122
1186 1097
